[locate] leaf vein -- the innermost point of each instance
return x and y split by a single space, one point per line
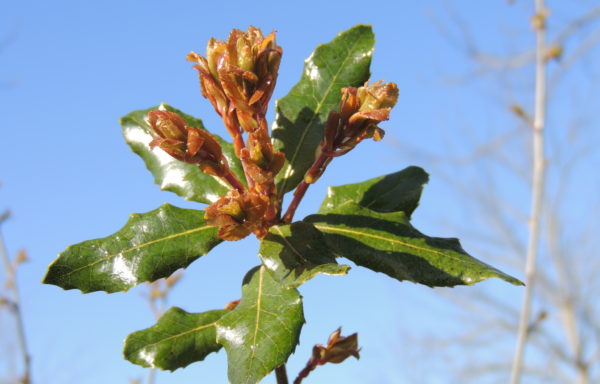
181 334
139 246
289 170
389 240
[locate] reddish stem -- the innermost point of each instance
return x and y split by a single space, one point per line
310 366
238 144
298 195
300 191
281 375
232 179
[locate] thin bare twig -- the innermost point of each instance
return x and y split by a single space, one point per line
566 343
537 188
158 301
16 305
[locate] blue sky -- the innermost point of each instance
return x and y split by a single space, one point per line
70 69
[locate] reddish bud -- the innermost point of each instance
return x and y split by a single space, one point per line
240 72
237 214
232 305
377 96
167 125
361 109
188 144
338 348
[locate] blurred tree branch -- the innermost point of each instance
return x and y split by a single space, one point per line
14 303
563 331
157 297
539 21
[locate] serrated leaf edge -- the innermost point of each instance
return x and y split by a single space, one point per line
152 366
133 248
166 339
327 228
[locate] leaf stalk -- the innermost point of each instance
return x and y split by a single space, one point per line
281 374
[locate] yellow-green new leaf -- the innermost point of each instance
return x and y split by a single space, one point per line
150 246
295 253
263 330
388 243
178 339
186 180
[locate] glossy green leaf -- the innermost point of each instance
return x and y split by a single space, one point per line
296 253
399 191
261 333
178 339
150 246
186 180
388 243
301 114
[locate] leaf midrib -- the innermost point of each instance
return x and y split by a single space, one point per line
257 321
402 243
199 328
137 247
291 246
312 119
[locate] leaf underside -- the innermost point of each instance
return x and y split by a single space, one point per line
178 339
301 114
263 330
185 180
150 246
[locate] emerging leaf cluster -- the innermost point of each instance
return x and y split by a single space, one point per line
326 114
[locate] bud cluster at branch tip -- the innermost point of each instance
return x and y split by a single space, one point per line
238 76
238 214
361 110
338 349
188 144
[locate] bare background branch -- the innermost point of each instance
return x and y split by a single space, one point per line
13 302
493 191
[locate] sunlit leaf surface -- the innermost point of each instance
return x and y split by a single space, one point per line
263 330
178 339
150 246
369 223
186 180
301 114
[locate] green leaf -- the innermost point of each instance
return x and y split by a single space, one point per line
302 113
178 339
186 180
399 191
150 246
296 253
388 243
261 333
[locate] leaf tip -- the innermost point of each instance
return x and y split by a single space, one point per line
514 281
